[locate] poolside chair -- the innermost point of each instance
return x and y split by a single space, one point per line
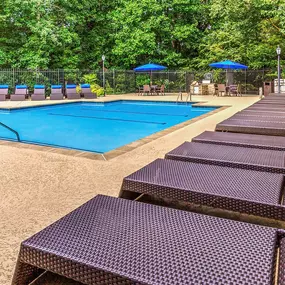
230 156
221 89
56 92
227 188
87 93
259 127
116 241
21 92
71 92
4 92
160 90
233 90
39 93
140 90
146 89
240 139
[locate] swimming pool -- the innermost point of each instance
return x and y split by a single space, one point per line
95 127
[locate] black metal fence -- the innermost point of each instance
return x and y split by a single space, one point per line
124 81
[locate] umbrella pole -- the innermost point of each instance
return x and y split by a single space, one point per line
151 78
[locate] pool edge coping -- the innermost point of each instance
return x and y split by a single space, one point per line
120 150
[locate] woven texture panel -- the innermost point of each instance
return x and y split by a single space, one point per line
241 190
280 103
264 111
152 245
281 273
232 156
261 127
275 119
262 114
244 140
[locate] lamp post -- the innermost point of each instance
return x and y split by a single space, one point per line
103 58
278 51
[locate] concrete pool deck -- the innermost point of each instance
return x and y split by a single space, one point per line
39 187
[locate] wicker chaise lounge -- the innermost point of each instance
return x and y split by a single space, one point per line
243 140
4 92
269 118
279 103
87 93
261 127
261 113
241 190
117 241
39 93
21 92
231 156
270 107
71 92
56 92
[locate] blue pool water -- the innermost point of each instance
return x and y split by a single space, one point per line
95 127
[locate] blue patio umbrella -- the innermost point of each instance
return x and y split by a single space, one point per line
150 67
228 64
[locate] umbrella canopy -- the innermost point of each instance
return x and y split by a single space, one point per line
150 67
227 64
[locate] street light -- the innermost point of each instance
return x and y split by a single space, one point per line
103 58
278 51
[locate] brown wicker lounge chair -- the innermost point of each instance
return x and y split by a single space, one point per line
260 127
241 190
270 118
4 92
116 241
56 92
273 98
280 103
231 156
86 91
262 114
39 93
243 140
71 92
21 92
276 95
270 107
263 111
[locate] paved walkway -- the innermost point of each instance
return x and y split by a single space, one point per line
38 187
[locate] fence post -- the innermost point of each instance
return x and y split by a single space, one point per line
13 77
185 81
245 82
168 81
114 81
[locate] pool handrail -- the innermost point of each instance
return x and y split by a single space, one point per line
12 130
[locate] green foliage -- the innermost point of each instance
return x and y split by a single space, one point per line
41 34
142 79
109 90
92 80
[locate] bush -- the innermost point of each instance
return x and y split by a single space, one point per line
93 81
